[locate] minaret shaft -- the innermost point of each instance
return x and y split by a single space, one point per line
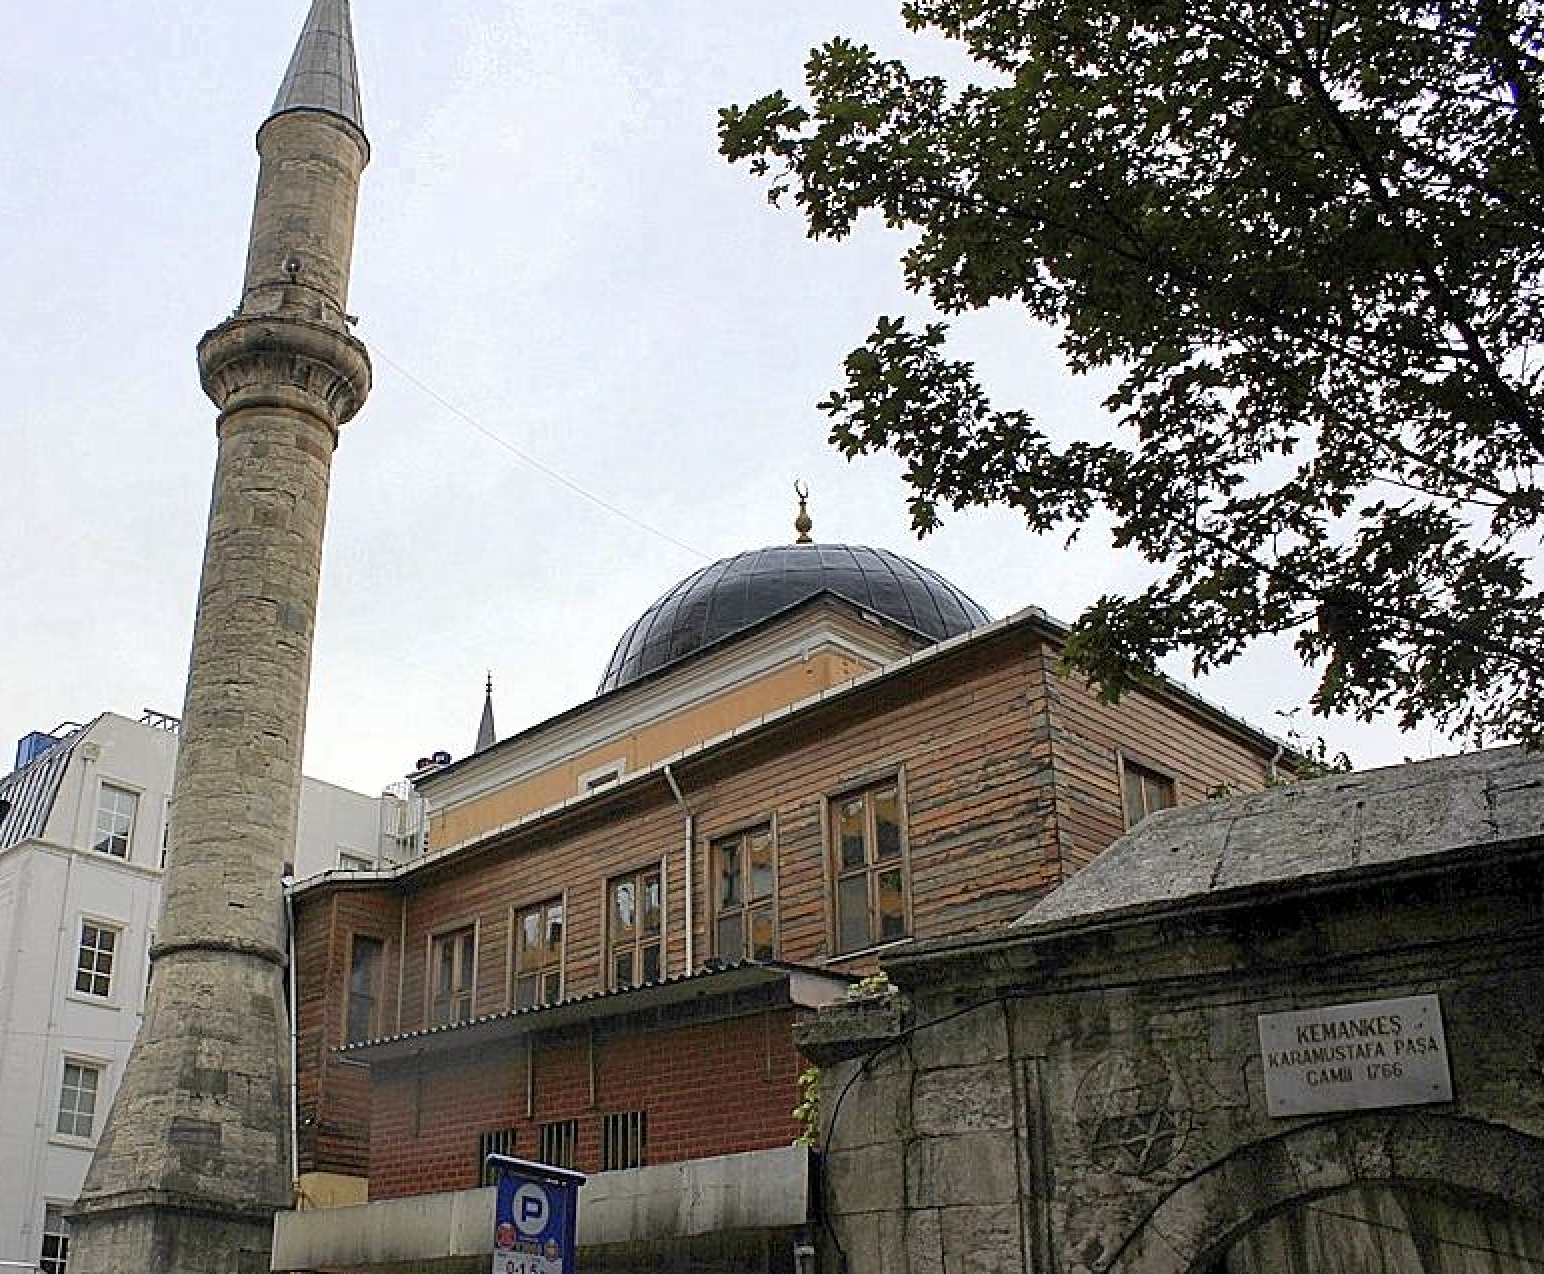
195 1156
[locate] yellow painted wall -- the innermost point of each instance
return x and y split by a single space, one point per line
645 744
330 1190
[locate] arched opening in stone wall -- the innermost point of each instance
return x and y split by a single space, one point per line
1463 1195
1383 1229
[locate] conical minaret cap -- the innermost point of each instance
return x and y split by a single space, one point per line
323 74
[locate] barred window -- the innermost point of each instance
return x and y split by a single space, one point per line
559 1143
624 1140
499 1142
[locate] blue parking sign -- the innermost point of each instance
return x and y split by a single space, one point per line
534 1217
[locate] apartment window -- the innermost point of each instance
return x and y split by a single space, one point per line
1144 791
624 1140
115 821
539 954
633 928
365 964
78 1098
500 1142
94 963
559 1143
452 960
355 862
743 871
55 1254
870 851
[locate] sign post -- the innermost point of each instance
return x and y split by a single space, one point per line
535 1217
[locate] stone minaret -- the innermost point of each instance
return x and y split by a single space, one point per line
195 1155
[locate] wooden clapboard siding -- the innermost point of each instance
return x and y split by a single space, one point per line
1011 778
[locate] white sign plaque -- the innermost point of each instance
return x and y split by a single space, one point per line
1355 1056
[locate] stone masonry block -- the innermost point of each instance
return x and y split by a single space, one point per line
962 1099
870 1179
982 1240
977 1167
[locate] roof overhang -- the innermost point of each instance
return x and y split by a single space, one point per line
803 987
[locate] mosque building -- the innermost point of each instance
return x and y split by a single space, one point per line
799 760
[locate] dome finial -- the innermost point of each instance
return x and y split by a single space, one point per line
802 524
487 736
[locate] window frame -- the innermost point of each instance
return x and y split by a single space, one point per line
654 867
873 865
603 776
101 924
378 997
743 910
97 1066
512 955
105 786
1145 769
59 1262
431 997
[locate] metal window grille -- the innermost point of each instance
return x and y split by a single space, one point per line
559 1142
624 1139
500 1142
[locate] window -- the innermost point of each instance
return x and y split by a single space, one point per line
539 954
354 862
77 1099
55 1255
624 1140
94 963
452 960
743 867
1144 791
501 1142
603 776
365 962
115 821
870 851
633 928
559 1143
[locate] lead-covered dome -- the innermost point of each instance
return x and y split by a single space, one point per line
743 590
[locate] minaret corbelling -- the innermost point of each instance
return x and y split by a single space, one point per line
195 1155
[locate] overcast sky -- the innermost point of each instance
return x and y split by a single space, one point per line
550 252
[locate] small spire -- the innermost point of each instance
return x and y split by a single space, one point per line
486 737
323 74
802 524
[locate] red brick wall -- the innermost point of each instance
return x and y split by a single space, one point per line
709 1088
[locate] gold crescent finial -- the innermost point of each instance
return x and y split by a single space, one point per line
802 524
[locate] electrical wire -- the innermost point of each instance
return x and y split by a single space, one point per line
531 461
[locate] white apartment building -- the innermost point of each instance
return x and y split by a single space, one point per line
83 824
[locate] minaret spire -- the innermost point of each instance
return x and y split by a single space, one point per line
486 735
195 1157
323 74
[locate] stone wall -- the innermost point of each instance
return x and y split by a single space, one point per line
1090 1100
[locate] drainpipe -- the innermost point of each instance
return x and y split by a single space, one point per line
691 872
294 1042
1270 766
